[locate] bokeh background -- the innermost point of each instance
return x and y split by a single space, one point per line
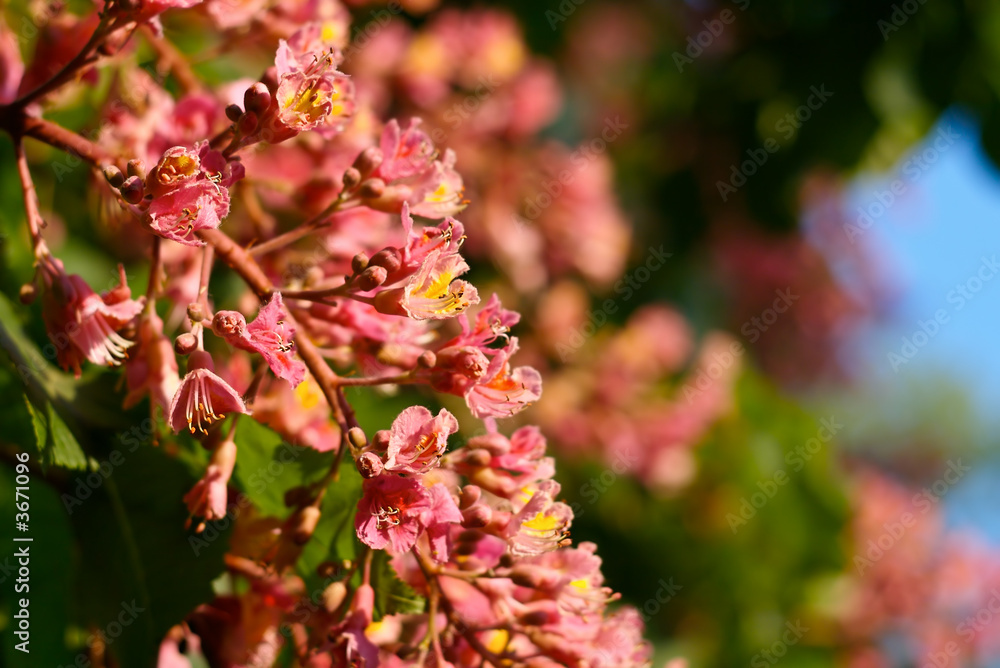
754 243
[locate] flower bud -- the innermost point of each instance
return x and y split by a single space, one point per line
136 167
196 312
372 189
388 257
477 516
368 160
470 494
478 457
333 596
359 263
305 524
540 613
371 278
228 324
496 444
114 176
427 359
185 343
27 293
257 98
247 123
369 465
357 437
233 112
352 177
380 441
132 190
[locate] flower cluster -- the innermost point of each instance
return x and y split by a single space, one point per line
337 225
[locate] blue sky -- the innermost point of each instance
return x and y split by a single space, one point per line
932 239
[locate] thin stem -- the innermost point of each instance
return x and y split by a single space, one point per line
317 295
319 220
207 259
80 60
154 272
30 197
63 139
243 264
373 381
432 579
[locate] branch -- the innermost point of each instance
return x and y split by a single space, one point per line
63 139
30 197
240 261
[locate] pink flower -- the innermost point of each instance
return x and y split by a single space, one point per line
541 525
316 97
269 335
433 293
418 439
405 153
82 324
153 368
314 41
11 65
190 189
446 237
504 392
443 514
203 397
208 497
391 512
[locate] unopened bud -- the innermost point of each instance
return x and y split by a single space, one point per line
542 612
380 441
114 176
470 494
257 98
359 263
478 457
372 189
247 123
196 312
352 177
368 160
477 516
303 530
427 359
132 190
496 444
233 112
185 343
371 278
135 167
28 293
389 258
369 465
356 436
333 596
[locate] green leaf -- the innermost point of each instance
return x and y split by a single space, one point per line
51 572
267 467
334 538
56 443
392 595
138 562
